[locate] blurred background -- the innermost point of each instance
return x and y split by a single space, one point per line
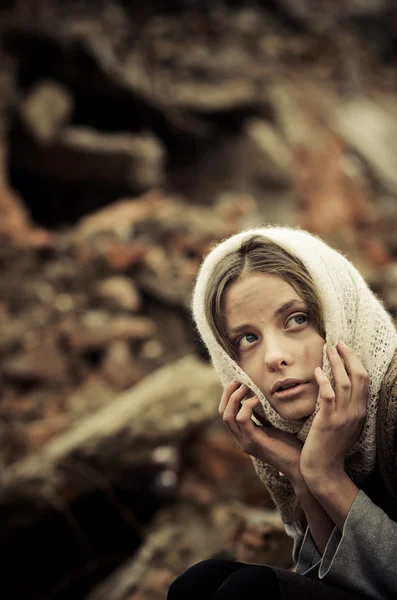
134 136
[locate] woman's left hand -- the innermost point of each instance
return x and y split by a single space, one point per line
339 421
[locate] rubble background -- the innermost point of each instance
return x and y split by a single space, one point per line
133 138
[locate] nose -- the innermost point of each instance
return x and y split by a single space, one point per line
276 356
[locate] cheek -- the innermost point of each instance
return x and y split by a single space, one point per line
252 365
313 352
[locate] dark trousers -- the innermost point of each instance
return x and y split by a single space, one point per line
217 579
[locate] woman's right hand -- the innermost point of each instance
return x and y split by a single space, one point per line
272 446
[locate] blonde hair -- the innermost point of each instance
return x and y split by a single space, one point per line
260 255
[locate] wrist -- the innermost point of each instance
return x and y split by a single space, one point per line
336 494
301 490
322 485
300 486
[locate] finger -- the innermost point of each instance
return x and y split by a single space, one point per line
234 404
326 392
353 364
343 385
357 374
244 417
228 390
232 409
246 409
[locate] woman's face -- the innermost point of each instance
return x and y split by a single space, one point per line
269 326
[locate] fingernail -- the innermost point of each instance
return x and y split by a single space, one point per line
341 342
332 349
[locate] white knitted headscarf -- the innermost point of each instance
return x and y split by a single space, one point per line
351 312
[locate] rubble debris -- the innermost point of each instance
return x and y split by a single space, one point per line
46 110
222 529
132 140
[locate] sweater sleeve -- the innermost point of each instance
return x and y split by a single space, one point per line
363 557
304 554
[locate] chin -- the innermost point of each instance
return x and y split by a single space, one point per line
296 411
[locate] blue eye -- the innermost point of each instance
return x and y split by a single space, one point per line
248 337
299 319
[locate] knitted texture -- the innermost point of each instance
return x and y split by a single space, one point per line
351 312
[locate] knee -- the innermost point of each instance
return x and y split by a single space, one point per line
256 581
193 579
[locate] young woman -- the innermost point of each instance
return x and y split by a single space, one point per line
306 354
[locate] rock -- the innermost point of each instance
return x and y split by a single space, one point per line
222 529
118 256
372 131
13 330
329 14
332 187
120 367
162 238
162 407
23 407
41 402
261 539
152 349
118 219
15 222
135 160
94 393
119 292
168 547
12 444
156 585
43 363
216 461
386 285
46 110
41 432
103 459
271 147
83 156
97 329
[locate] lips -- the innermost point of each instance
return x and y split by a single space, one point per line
290 383
290 392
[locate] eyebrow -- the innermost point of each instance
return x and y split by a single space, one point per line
283 308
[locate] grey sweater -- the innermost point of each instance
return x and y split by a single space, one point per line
363 558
